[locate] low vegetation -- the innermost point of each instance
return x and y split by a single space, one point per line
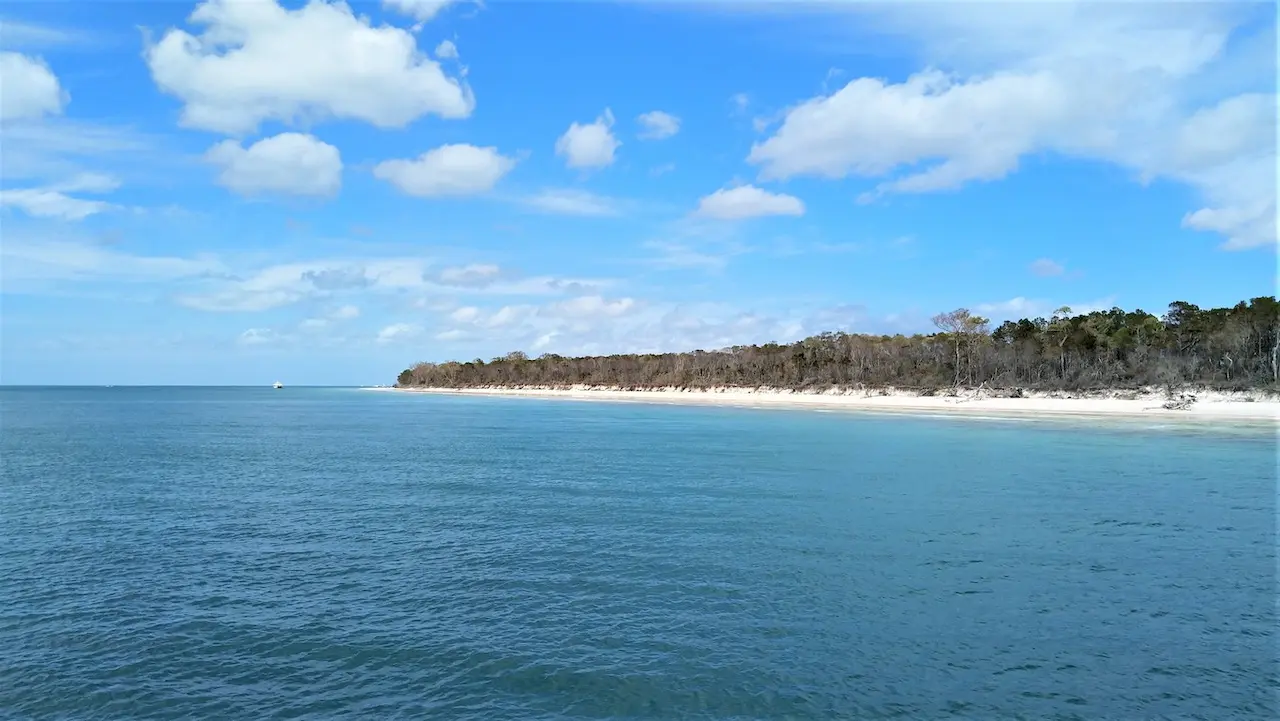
1235 348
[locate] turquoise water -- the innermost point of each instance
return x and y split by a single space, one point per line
319 554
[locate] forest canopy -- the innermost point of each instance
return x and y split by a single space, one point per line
1236 348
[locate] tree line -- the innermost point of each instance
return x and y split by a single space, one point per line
1236 348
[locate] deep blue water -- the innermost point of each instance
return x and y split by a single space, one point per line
319 554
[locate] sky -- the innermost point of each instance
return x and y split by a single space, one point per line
238 192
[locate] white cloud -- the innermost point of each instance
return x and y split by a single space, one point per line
1020 307
695 242
509 315
52 201
421 10
342 279
489 279
659 170
1228 151
337 315
681 255
285 284
446 50
46 203
740 102
476 274
869 128
258 61
567 315
449 170
87 183
569 201
595 324
590 306
1044 267
31 90
60 147
289 163
657 125
591 145
747 201
57 259
454 334
258 336
19 34
398 332
465 314
1115 82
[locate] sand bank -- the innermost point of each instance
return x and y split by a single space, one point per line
1197 405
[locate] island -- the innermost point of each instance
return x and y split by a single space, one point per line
1217 362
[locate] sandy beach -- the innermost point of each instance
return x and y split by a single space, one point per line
1207 406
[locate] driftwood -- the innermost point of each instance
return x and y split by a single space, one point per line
1182 403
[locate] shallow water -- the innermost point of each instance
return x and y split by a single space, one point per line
309 553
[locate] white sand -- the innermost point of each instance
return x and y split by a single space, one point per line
1208 406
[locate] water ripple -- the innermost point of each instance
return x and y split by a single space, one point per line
193 554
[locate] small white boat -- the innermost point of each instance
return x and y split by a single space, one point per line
277 385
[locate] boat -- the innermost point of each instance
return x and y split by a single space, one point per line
277 385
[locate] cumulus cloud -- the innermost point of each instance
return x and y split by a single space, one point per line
657 125
1099 81
869 128
289 163
449 170
446 50
591 145
1228 152
30 89
421 10
747 201
372 74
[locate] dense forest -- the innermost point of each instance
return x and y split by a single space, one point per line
1235 348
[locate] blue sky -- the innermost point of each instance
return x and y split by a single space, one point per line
239 192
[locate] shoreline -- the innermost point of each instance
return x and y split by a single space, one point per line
1208 406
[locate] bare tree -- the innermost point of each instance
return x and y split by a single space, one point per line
1236 347
963 328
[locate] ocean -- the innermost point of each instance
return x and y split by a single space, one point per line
244 553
